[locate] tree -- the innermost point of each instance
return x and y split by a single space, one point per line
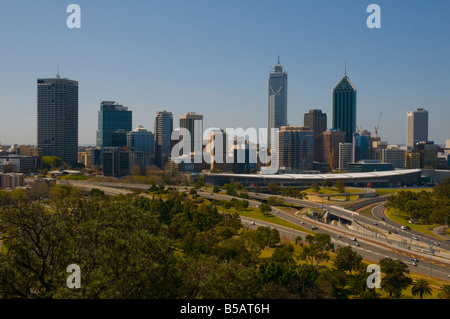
315 187
51 162
200 182
340 186
396 279
273 188
445 292
135 170
347 259
421 287
230 189
317 249
7 169
216 189
274 201
264 208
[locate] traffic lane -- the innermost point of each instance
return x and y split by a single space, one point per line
387 225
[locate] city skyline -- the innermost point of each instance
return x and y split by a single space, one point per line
194 68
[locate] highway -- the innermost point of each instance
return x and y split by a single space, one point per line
372 245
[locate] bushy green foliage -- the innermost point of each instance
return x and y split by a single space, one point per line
424 207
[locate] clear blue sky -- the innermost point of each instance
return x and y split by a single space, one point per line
213 57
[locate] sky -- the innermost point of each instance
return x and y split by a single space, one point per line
214 58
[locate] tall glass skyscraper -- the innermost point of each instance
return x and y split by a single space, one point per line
141 140
277 100
57 118
112 120
163 138
344 108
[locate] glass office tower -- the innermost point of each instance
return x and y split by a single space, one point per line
277 100
141 140
112 120
344 108
163 138
57 118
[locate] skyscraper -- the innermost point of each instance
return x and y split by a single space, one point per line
113 118
417 127
345 155
317 122
361 146
295 148
277 100
163 138
194 124
141 140
57 118
343 110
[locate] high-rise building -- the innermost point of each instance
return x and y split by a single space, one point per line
142 140
113 117
416 127
216 148
343 116
57 118
277 100
163 138
194 124
317 122
345 155
296 144
428 154
331 140
394 155
361 146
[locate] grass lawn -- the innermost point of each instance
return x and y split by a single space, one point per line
403 220
253 212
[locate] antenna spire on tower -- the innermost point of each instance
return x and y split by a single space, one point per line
345 68
57 71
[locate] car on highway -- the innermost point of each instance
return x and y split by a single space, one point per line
375 223
413 263
314 228
353 238
415 238
356 244
435 243
395 232
415 259
338 236
253 223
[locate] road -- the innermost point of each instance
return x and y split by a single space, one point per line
371 247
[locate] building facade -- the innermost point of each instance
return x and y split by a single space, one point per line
343 116
112 118
296 145
277 100
142 140
317 122
57 118
345 155
163 138
416 127
331 140
361 146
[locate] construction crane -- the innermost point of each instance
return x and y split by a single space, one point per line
330 152
377 127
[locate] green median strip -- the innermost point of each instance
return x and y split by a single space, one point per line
256 214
